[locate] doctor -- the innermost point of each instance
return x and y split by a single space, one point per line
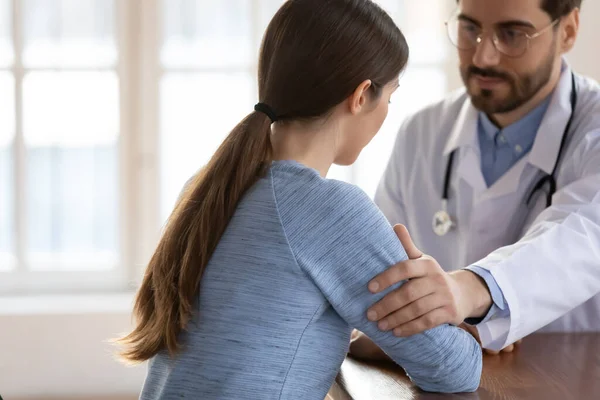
501 179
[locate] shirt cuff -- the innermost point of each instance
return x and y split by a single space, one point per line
499 307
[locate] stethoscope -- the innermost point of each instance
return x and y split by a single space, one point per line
443 222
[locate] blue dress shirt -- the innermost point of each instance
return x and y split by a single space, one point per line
503 148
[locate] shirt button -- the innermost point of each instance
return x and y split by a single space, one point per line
502 139
518 149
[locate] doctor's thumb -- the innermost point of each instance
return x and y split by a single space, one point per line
411 250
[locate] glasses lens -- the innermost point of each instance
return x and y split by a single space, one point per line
511 42
463 34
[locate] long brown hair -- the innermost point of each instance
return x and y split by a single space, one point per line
313 56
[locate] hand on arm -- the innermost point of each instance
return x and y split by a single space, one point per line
341 257
430 298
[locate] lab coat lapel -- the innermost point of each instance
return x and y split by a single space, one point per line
545 149
508 183
463 138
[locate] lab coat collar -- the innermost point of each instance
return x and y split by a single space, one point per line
464 132
547 143
464 135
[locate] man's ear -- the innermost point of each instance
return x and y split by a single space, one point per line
570 29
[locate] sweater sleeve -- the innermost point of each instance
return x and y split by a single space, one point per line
341 240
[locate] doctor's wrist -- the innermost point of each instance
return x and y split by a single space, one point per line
475 292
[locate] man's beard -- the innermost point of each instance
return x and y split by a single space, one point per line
521 89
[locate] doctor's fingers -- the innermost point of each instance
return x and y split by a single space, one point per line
394 301
411 250
428 321
491 352
412 311
511 347
508 349
402 271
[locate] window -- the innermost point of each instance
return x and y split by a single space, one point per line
7 129
59 144
108 107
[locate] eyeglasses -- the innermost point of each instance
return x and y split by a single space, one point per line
510 41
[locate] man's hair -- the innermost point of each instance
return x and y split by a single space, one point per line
560 8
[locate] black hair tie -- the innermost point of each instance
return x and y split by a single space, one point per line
268 111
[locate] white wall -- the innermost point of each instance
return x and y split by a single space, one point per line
585 57
64 354
48 352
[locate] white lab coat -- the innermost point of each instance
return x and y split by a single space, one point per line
546 262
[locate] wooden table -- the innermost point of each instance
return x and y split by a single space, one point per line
545 367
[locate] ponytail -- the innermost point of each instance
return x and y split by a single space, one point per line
165 301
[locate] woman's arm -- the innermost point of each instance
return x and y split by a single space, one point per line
342 240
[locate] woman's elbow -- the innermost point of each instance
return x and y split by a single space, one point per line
464 377
467 380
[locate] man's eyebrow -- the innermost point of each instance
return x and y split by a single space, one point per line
464 17
503 24
515 23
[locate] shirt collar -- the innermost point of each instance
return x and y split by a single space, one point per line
519 135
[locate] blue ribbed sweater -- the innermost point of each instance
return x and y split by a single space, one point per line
282 292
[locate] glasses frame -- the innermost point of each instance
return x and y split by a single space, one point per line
496 40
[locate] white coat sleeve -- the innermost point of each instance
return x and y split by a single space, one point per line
555 267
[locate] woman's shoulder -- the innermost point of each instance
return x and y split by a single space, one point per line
318 213
300 188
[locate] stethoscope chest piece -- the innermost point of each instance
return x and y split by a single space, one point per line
442 222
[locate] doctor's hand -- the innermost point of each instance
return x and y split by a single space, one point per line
430 298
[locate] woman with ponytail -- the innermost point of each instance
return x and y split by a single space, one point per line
262 269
